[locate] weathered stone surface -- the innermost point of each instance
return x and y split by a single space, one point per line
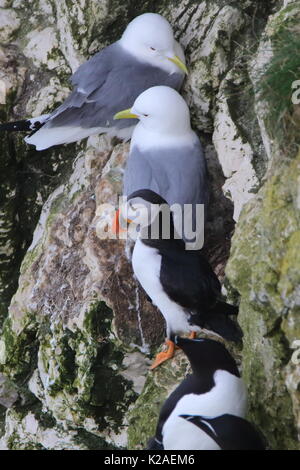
159 385
9 23
75 343
62 309
8 392
263 267
264 261
234 153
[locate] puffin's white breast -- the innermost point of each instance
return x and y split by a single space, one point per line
146 263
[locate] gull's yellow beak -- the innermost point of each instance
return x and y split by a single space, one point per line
179 63
126 114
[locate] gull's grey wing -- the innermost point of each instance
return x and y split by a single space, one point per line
107 83
179 175
138 173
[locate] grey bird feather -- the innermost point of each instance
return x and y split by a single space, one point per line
179 175
111 80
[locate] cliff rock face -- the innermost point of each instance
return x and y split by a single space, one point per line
77 333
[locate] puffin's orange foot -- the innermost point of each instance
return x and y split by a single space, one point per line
193 335
165 355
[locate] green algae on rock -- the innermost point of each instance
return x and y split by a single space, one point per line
264 261
159 384
264 268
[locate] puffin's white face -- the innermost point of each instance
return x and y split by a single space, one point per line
141 212
150 38
136 215
160 109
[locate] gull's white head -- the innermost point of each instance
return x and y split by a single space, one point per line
149 37
160 109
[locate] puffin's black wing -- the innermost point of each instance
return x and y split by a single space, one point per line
188 279
230 432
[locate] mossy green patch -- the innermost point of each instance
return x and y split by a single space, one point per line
81 370
110 393
19 351
92 442
264 268
15 443
2 420
275 86
144 416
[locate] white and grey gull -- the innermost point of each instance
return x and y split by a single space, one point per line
166 155
146 55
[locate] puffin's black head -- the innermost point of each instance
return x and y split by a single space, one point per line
148 195
152 214
207 355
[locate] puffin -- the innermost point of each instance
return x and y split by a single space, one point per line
180 282
214 388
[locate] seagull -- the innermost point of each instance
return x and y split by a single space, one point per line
229 432
179 282
146 55
166 155
214 388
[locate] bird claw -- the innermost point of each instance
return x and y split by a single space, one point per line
164 356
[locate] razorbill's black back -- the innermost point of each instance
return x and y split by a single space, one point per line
230 432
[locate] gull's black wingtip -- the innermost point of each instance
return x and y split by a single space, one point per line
17 126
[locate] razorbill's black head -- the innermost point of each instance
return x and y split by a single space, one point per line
207 355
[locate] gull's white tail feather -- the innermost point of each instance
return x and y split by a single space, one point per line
48 137
45 137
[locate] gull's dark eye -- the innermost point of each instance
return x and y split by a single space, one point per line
146 115
152 49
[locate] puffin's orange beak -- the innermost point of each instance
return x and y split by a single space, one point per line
116 226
